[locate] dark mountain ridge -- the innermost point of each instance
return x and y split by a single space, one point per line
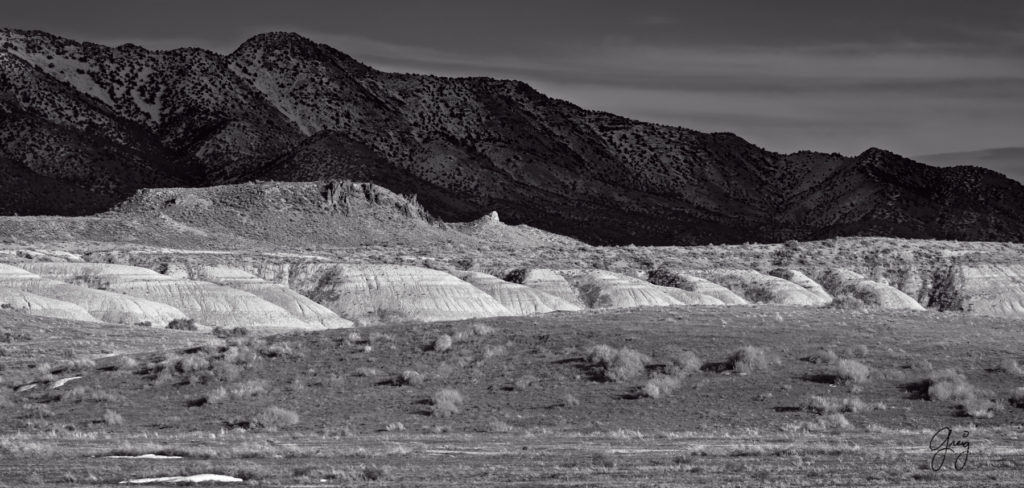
84 126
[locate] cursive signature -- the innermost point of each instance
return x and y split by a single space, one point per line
942 444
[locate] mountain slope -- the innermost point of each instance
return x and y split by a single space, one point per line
108 121
1007 160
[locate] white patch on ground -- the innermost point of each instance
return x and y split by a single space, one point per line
63 381
195 478
146 456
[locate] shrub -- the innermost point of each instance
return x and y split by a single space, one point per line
948 385
1009 365
365 372
279 350
125 363
1017 397
183 324
846 301
660 386
749 359
498 427
859 351
82 394
828 405
824 356
482 330
192 363
75 365
374 473
979 408
411 378
446 402
248 389
834 421
601 354
850 371
922 365
225 370
493 351
218 395
684 363
603 459
224 333
111 417
273 418
523 382
443 343
618 364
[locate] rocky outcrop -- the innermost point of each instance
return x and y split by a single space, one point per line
31 304
845 282
803 281
605 289
761 288
207 303
518 299
280 295
682 281
104 305
988 289
371 293
547 281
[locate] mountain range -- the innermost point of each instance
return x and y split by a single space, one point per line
84 126
1006 160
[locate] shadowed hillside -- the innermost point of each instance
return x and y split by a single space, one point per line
85 126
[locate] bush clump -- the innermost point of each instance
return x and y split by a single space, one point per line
411 378
949 385
111 417
446 402
1010 365
749 359
850 371
1017 397
443 343
660 386
683 363
273 418
183 324
822 405
618 364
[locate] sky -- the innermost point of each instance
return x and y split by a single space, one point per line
912 76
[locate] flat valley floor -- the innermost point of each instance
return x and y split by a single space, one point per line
694 396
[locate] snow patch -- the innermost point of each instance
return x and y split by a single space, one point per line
195 478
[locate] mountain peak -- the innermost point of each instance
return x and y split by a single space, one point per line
876 153
276 40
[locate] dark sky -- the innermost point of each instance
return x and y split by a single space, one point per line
913 76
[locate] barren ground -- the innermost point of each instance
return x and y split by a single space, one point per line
515 425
